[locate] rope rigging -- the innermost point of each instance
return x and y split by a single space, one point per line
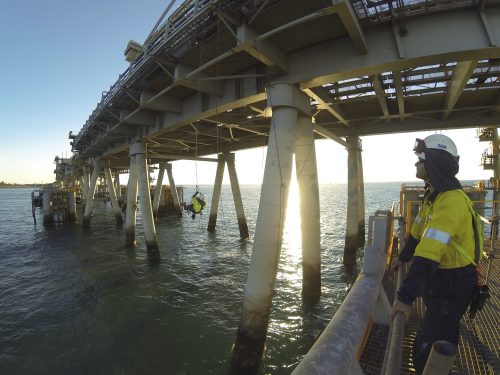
197 204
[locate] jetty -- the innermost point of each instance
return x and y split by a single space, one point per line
219 76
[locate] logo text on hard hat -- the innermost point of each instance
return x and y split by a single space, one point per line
439 145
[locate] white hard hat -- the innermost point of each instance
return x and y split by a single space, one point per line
436 141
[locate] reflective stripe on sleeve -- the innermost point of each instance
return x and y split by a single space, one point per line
437 235
418 220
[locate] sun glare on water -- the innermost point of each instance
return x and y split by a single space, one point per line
292 237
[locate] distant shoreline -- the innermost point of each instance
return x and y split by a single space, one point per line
16 186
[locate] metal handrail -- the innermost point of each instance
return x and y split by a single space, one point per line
181 23
335 350
170 32
393 352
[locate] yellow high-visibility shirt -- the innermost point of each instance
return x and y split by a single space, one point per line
197 206
439 224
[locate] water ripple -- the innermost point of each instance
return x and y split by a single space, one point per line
76 301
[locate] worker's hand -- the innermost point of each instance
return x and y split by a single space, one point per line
403 307
395 264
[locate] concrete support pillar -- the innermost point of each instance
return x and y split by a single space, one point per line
118 188
214 206
173 191
139 150
48 215
159 182
86 182
286 101
130 217
351 237
89 202
307 179
112 195
83 187
361 195
238 203
71 205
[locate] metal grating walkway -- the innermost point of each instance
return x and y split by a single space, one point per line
479 347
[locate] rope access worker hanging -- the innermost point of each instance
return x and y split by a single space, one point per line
197 204
443 248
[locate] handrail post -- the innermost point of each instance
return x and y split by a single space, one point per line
441 358
393 351
334 352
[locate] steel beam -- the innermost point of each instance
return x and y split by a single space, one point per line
149 100
264 51
398 83
181 157
441 45
350 21
322 97
461 75
379 90
328 134
180 79
417 123
137 117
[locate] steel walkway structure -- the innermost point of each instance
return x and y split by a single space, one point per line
369 67
478 349
220 76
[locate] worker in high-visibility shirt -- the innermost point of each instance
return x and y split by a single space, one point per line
197 204
442 250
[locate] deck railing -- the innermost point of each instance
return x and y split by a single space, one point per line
191 15
335 351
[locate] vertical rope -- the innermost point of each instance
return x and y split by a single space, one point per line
200 98
196 155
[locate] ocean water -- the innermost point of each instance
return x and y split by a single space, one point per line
75 301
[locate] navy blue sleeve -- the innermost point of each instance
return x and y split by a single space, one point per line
417 279
408 250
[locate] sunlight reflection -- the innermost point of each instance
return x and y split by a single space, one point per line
292 238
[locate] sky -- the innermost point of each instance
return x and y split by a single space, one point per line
58 56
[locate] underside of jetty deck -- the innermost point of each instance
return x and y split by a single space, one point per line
479 347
